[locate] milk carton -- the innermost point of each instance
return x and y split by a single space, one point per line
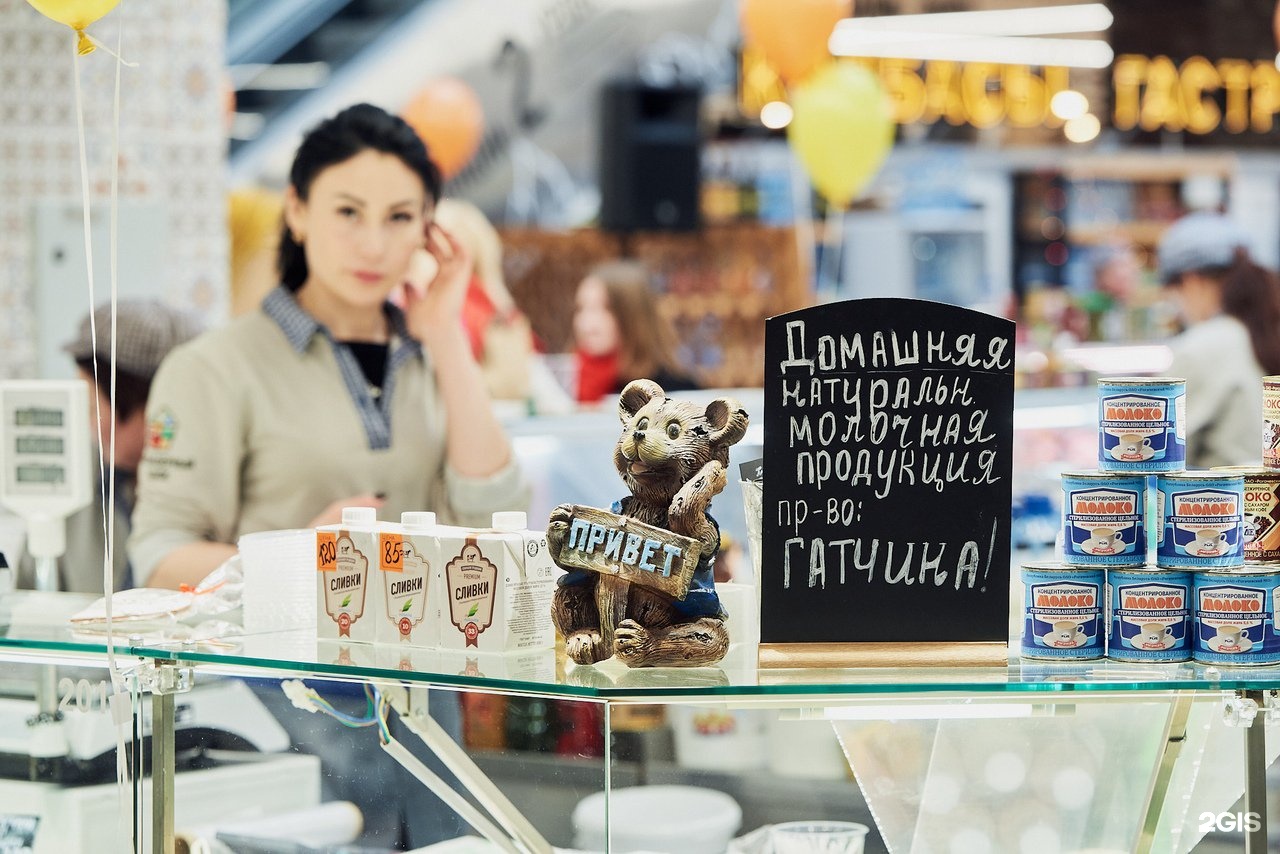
346 560
408 563
497 585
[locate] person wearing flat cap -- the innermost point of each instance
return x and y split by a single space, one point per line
1230 307
146 330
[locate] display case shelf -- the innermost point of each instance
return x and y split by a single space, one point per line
548 673
1154 741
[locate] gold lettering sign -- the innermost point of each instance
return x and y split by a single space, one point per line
1154 93
981 94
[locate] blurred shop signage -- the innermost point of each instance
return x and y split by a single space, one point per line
981 94
888 436
1199 95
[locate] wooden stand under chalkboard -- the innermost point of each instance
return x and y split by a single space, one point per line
837 655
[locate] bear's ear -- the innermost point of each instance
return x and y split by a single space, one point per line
728 420
635 396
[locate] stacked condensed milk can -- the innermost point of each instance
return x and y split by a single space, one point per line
1159 563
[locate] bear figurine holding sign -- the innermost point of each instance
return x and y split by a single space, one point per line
640 582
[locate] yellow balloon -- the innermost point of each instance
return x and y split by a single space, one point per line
76 14
842 129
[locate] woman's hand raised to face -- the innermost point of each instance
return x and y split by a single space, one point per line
434 305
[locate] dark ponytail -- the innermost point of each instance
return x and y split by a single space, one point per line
1251 294
337 140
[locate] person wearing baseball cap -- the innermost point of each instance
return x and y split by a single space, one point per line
1230 307
146 330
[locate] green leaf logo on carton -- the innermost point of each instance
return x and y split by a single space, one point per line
475 606
346 600
407 605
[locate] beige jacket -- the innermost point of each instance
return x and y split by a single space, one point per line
259 426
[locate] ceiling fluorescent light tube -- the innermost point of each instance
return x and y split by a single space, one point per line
1041 21
1072 53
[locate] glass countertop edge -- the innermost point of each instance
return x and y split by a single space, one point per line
986 681
67 646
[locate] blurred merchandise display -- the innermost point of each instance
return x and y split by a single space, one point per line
530 724
579 728
484 718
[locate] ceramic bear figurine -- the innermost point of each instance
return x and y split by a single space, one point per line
672 455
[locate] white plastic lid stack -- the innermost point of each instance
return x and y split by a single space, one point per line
418 519
510 520
359 516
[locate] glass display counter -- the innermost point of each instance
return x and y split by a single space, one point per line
1098 756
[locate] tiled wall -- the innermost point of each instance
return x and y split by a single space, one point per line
172 147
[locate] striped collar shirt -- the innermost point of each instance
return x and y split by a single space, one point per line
374 408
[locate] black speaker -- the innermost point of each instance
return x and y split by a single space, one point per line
649 157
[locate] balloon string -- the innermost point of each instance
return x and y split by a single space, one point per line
88 258
108 563
94 43
832 247
802 204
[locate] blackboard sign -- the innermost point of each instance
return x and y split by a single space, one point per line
888 433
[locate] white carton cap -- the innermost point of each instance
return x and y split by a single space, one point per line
359 516
418 519
510 520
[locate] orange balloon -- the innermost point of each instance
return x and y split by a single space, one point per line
447 115
793 34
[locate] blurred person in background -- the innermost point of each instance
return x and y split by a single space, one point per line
1230 309
253 225
327 395
146 331
1112 303
619 335
500 336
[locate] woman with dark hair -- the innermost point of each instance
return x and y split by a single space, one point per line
328 396
1231 309
620 336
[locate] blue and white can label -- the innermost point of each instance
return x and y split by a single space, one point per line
1150 614
1103 519
1235 617
1063 611
1200 520
1142 424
